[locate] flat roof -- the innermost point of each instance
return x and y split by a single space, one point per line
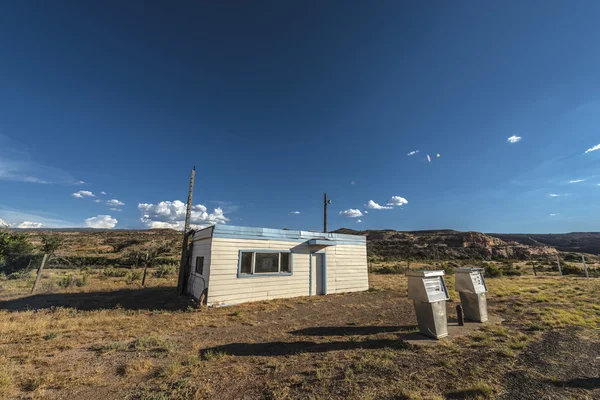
287 235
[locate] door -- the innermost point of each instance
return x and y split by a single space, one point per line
319 263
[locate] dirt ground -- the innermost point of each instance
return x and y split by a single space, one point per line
114 340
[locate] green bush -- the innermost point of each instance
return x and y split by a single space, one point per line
391 270
492 270
570 269
164 271
133 276
66 281
81 280
115 272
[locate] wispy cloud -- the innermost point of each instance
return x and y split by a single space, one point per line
17 164
358 221
114 202
115 209
596 147
412 153
353 183
397 201
97 201
29 225
558 195
83 193
103 193
15 217
374 206
351 213
554 214
513 139
101 221
577 181
294 213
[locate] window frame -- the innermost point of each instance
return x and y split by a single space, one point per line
253 274
196 265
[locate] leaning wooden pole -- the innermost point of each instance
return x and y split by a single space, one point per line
587 274
182 270
558 262
39 273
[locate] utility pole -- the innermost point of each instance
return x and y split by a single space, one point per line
182 265
587 275
558 262
326 202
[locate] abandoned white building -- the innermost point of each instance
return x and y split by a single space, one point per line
230 264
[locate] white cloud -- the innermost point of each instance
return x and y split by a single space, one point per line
558 195
103 193
358 221
171 214
114 202
513 139
29 225
353 183
397 201
115 209
366 212
80 183
374 206
554 215
83 193
97 201
351 213
596 147
101 221
577 181
412 153
294 213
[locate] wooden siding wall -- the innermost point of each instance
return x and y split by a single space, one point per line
346 271
197 283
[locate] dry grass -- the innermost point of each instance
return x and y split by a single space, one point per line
156 347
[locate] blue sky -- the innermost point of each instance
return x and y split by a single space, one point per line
278 102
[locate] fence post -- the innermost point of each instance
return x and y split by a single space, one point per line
39 273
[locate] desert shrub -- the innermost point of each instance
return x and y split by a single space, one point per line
66 281
570 269
448 268
492 270
509 269
133 276
115 272
164 271
82 280
391 270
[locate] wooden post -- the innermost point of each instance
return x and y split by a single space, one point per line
145 269
181 283
558 262
39 273
587 275
533 265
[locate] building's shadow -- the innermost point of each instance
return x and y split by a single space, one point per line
155 298
351 330
583 383
291 348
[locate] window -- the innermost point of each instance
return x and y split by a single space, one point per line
265 262
199 265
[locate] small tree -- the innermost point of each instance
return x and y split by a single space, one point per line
15 251
50 243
